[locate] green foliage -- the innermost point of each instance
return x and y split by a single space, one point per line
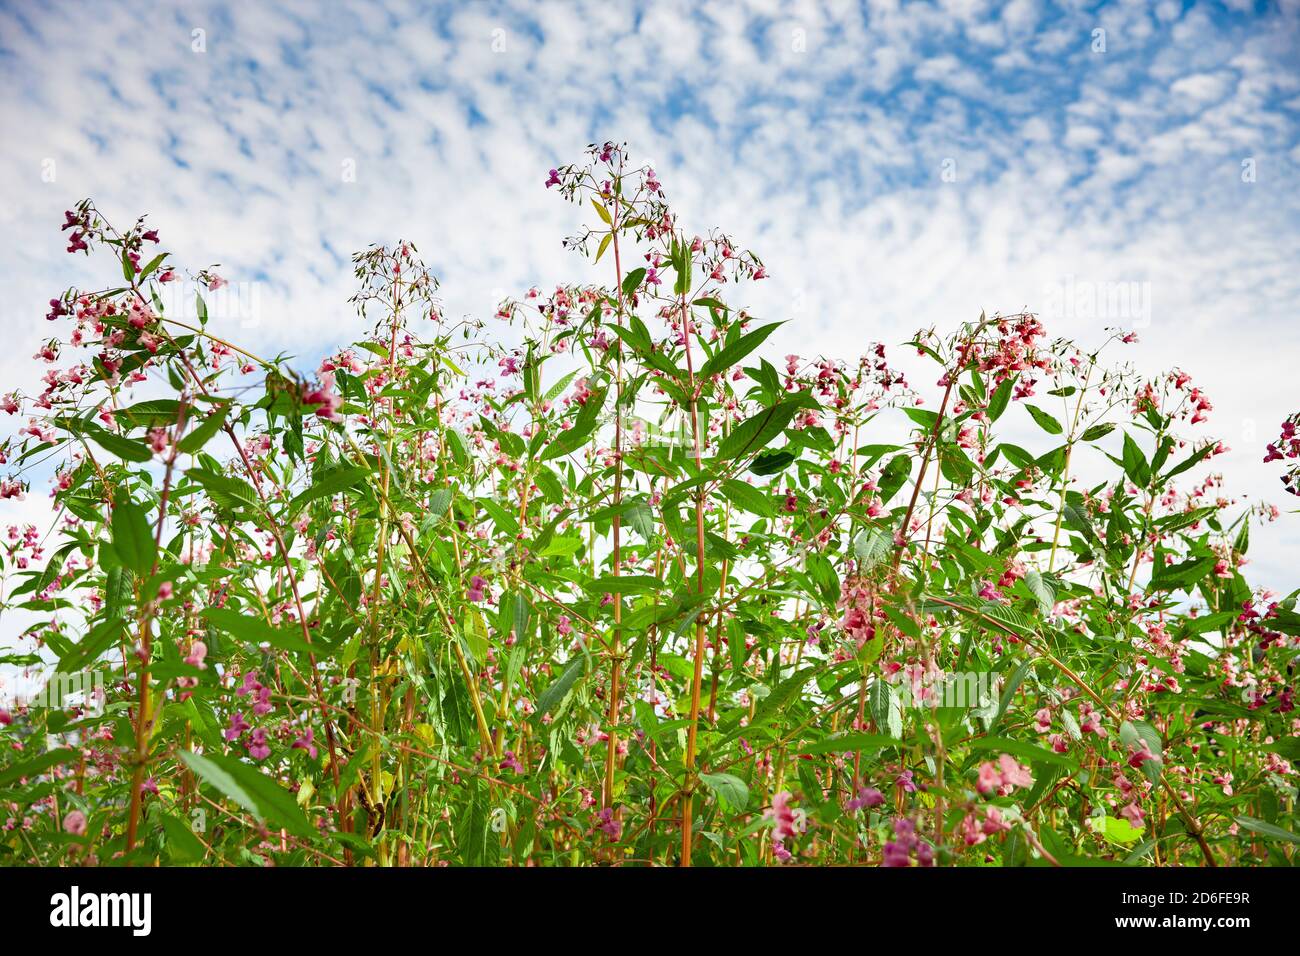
650 596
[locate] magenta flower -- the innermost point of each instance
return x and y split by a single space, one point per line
606 822
867 797
476 590
304 742
237 726
258 748
510 762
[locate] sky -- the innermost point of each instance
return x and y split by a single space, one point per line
895 165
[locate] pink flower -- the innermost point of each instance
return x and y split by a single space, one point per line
237 726
257 745
867 797
553 179
1003 778
1043 720
784 817
1013 773
510 762
324 397
606 822
475 592
990 781
993 822
75 823
1141 753
304 742
1134 815
195 658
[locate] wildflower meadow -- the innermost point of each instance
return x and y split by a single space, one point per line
600 580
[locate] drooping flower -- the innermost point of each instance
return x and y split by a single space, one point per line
305 742
258 748
606 821
867 797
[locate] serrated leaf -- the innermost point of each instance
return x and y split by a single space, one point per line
257 793
729 787
133 541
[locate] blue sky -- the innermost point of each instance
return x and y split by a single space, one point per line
896 165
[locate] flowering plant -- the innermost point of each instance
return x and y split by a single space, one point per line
599 583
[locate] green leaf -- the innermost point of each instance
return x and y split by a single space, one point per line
734 351
893 477
771 462
632 281
1191 460
1183 575
1135 463
257 793
559 688
37 765
1100 430
1116 829
847 743
748 497
182 844
757 431
623 584
153 413
439 502
226 491
1042 591
886 710
255 630
132 539
1009 691
1001 396
584 424
729 787
205 430
871 547
1272 831
125 448
474 629
1045 421
100 638
328 484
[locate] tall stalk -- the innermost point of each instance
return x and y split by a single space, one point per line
697 673
616 654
